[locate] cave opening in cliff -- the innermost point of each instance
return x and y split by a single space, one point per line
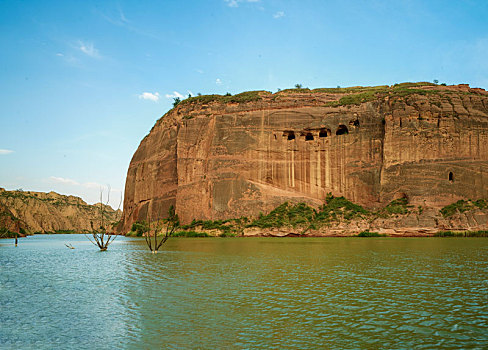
309 137
342 130
451 177
324 133
290 135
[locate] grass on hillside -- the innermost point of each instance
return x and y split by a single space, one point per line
243 97
356 95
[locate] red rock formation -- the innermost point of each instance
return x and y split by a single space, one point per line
220 157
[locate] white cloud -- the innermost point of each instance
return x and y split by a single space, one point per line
174 95
122 16
232 3
5 151
199 71
92 185
279 14
218 81
89 185
150 96
59 54
235 3
64 180
88 49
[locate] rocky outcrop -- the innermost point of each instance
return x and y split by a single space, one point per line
219 157
39 212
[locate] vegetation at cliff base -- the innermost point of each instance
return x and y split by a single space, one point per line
396 207
138 228
296 216
462 206
302 218
190 234
368 233
285 215
481 233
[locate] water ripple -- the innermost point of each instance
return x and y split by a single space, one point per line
244 293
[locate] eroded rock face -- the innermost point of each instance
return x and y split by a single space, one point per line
50 212
218 160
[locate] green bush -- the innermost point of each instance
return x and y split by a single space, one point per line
302 215
460 206
227 234
367 233
64 231
190 234
448 234
139 228
481 233
285 215
243 97
481 204
397 206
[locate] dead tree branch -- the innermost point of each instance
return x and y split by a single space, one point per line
102 235
159 230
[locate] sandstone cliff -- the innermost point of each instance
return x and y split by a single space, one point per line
39 212
218 157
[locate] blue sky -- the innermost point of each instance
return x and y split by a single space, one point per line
82 82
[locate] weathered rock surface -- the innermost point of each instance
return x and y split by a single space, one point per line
50 212
219 158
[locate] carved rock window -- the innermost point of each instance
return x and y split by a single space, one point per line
324 132
290 135
342 130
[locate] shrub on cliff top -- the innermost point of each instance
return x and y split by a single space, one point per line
363 95
243 97
420 83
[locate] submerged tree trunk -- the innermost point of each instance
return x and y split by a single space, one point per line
167 225
101 236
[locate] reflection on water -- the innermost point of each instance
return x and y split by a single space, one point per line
245 293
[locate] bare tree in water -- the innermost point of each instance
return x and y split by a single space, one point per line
104 234
158 231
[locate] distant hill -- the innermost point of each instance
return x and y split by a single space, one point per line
40 212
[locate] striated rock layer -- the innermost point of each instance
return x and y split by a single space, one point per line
216 157
40 212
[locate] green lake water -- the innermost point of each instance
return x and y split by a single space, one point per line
245 293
